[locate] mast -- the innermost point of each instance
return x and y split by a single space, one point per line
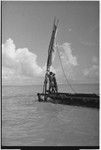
50 51
51 45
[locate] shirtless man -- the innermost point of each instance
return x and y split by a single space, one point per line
52 83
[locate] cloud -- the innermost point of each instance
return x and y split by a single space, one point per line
69 61
19 62
66 54
7 73
22 64
92 71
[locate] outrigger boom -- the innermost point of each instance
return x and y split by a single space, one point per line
50 89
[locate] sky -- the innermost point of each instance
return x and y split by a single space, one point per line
26 32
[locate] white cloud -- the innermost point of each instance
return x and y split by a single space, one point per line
66 54
19 62
7 72
69 61
93 71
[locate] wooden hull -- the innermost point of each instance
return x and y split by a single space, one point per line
87 100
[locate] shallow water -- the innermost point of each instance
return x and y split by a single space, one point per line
26 122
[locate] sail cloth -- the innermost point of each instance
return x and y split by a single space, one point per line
51 45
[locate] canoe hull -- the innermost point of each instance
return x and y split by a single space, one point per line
87 100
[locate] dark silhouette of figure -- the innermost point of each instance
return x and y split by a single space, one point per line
52 83
45 82
55 83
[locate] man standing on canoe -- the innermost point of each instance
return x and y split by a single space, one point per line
52 83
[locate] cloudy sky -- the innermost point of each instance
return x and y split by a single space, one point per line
26 31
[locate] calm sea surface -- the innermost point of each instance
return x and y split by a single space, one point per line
27 122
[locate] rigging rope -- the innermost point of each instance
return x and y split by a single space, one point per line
64 73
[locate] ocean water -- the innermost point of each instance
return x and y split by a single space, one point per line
27 122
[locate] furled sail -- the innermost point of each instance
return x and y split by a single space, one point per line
51 45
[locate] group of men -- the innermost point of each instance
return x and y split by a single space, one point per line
50 77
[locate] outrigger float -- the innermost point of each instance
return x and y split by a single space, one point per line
50 92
